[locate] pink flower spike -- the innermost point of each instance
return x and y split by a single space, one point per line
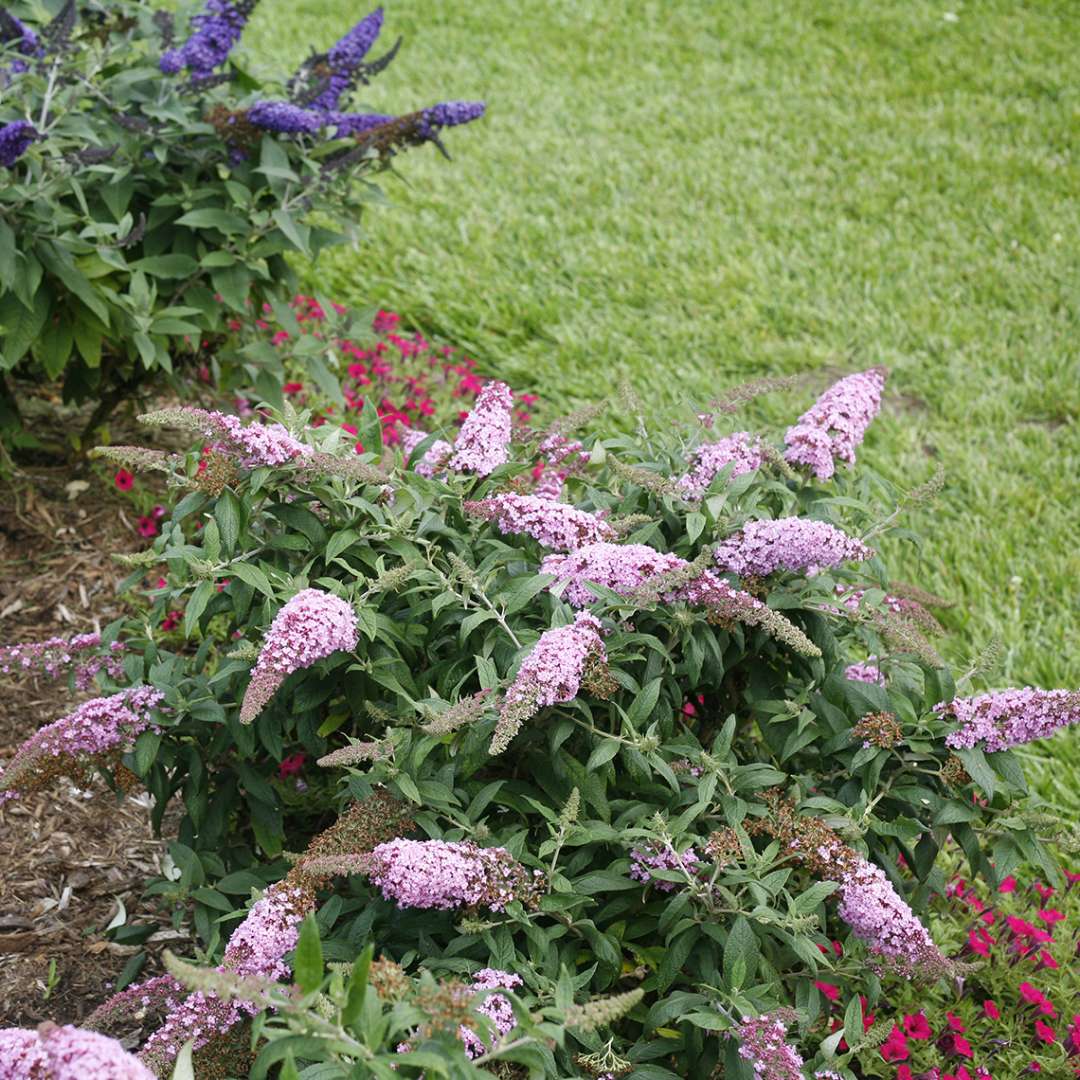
483 444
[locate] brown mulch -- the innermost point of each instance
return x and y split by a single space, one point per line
71 861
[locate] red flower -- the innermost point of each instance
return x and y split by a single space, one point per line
903 1072
830 991
291 765
1046 961
146 526
293 387
955 1023
1008 885
1050 916
1044 891
171 621
1045 1032
951 1043
916 1026
124 480
895 1047
991 1009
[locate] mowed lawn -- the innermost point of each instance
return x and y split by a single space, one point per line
687 195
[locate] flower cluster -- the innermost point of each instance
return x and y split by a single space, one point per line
742 452
865 671
619 567
15 140
795 544
495 1007
831 429
434 459
65 1053
764 1046
644 860
342 63
311 626
555 525
99 727
56 655
252 445
448 875
1006 718
551 673
483 444
215 32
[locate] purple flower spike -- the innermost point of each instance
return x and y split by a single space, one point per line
452 113
285 117
15 30
356 123
345 57
216 30
15 138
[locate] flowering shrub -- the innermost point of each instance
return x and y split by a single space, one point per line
151 186
644 778
1016 1013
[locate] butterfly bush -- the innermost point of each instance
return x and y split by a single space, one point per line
65 1053
794 544
483 444
495 1007
56 655
1007 718
96 729
831 430
309 628
548 708
763 1046
865 671
742 452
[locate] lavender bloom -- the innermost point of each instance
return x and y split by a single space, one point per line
764 1046
495 1007
15 31
452 113
435 456
311 626
483 443
654 857
286 118
1007 718
446 875
253 445
99 726
64 1053
15 139
555 525
347 124
867 672
344 60
56 655
550 674
836 423
790 543
216 30
742 451
880 918
621 567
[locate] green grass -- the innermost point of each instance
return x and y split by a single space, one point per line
689 195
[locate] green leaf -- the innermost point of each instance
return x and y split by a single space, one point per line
253 576
299 235
146 751
196 605
643 704
166 266
308 961
227 516
602 754
978 768
184 1069
354 1000
20 327
211 218
60 264
522 590
741 948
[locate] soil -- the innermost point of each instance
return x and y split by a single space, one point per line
72 860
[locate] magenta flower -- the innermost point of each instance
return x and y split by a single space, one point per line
835 424
65 1053
742 451
483 443
1007 718
795 544
311 626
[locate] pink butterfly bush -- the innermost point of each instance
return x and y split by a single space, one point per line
446 875
252 445
555 525
495 1007
550 674
742 451
65 1053
311 626
56 655
866 671
795 544
619 567
831 429
483 443
644 860
434 457
1007 718
97 727
764 1046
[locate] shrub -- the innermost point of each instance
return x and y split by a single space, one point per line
570 743
153 187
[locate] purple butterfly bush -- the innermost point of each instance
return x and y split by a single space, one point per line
215 32
1008 718
286 118
764 1046
344 60
15 140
